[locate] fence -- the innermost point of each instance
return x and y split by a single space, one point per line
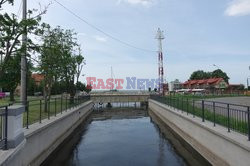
3 127
234 117
38 110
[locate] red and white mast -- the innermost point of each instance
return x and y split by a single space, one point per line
160 37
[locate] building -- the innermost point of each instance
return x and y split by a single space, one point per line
212 85
174 85
38 78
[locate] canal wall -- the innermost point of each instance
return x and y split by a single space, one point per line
214 144
42 139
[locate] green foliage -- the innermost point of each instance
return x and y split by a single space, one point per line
6 1
220 74
32 87
200 74
11 75
11 30
82 87
11 48
58 60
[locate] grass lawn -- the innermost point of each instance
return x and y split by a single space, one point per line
36 108
190 96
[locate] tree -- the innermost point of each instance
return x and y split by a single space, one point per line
6 1
11 75
11 30
11 48
220 74
50 58
82 87
80 62
199 75
58 61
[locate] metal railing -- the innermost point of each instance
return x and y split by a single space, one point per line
3 127
38 110
232 116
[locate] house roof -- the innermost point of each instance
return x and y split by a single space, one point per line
204 81
38 77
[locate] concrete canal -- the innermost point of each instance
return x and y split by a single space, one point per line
122 137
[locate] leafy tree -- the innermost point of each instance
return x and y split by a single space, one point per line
11 30
199 75
88 88
6 1
220 74
82 87
58 61
80 62
11 75
11 48
50 58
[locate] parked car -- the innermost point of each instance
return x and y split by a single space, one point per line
2 95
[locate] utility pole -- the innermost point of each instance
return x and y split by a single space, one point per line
160 37
248 81
24 60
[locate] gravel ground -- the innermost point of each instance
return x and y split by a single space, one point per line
233 100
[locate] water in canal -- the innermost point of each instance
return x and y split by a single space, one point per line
117 138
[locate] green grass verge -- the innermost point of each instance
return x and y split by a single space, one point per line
187 106
36 109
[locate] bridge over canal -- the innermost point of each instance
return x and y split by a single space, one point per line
119 98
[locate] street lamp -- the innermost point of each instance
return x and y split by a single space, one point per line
216 66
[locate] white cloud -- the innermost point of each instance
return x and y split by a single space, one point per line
100 39
137 2
238 8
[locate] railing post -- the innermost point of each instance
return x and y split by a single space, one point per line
182 105
27 111
6 129
61 103
187 106
203 111
178 103
228 117
248 122
55 106
48 109
171 100
214 112
66 103
193 108
40 116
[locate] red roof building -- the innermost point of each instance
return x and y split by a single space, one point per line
38 78
212 83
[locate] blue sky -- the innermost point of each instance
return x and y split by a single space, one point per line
198 35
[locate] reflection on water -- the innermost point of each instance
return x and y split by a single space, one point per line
118 141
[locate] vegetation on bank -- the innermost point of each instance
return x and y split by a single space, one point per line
191 105
51 51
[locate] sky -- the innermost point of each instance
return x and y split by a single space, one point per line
197 34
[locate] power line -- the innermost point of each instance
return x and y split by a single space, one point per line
103 32
19 10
